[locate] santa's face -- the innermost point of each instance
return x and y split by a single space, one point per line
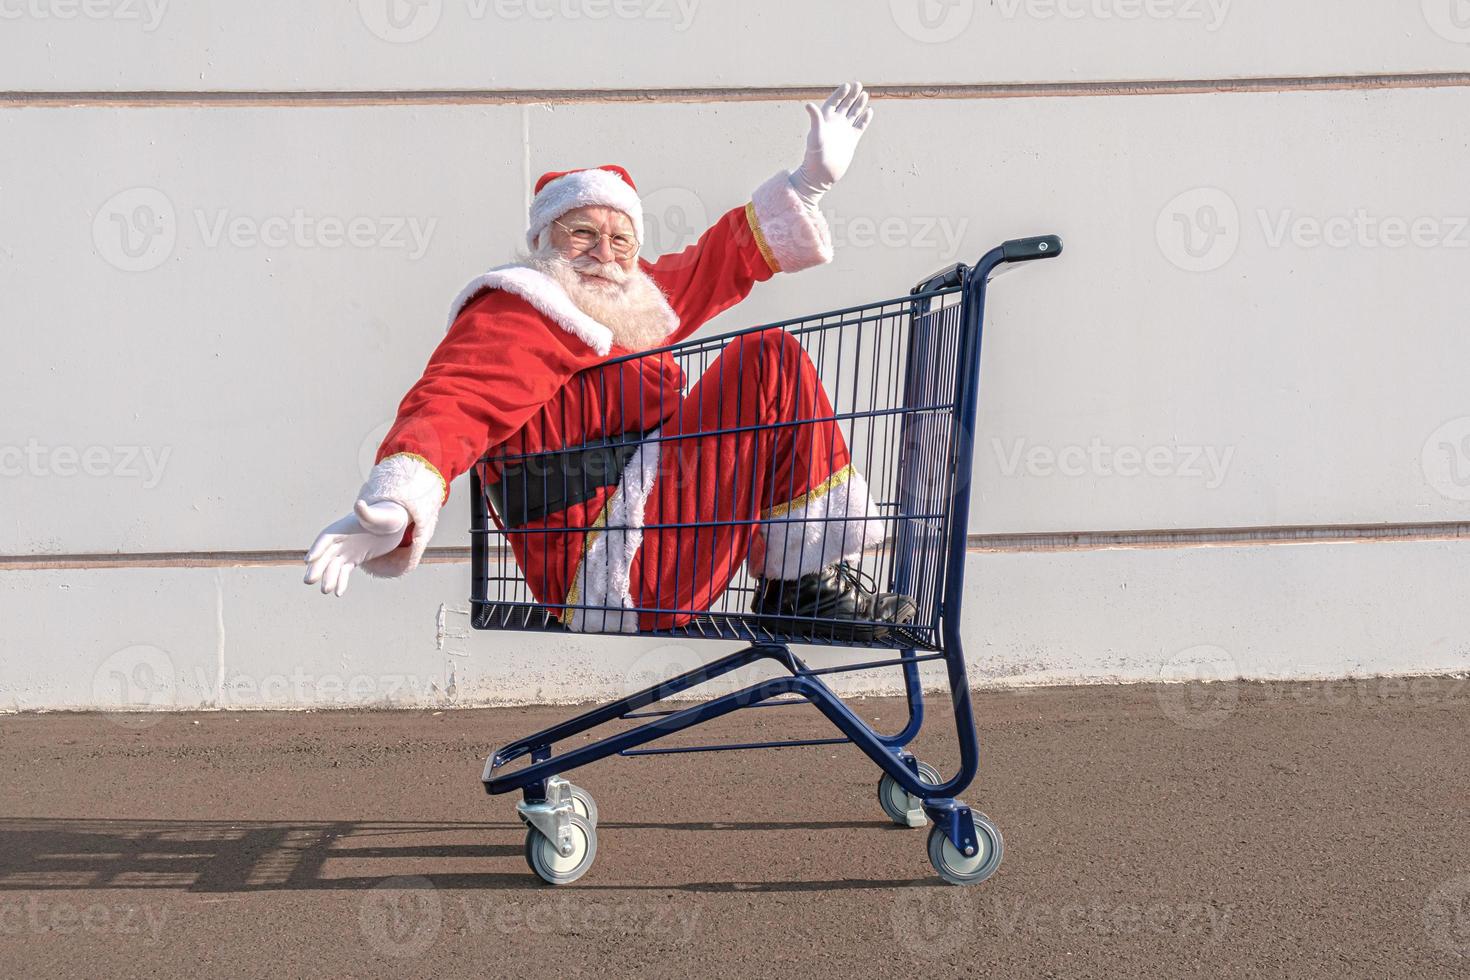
599 242
591 253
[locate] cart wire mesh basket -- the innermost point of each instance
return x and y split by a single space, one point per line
890 370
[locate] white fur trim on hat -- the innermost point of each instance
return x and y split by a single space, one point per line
405 479
579 190
797 236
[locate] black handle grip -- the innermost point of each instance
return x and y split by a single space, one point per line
951 275
1025 249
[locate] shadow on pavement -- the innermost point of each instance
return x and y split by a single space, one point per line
212 856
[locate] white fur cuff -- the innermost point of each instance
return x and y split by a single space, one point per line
410 481
797 236
799 542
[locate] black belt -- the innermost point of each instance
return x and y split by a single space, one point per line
537 486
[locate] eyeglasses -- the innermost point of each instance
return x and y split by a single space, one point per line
585 238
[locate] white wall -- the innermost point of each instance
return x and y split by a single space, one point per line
178 389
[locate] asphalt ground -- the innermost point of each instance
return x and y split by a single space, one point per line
1239 830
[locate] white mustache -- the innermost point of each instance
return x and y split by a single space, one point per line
607 270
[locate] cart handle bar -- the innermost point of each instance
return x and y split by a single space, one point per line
1015 250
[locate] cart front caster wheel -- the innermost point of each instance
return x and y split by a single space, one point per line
958 868
555 868
903 809
583 804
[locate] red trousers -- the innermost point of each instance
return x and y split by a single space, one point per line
748 468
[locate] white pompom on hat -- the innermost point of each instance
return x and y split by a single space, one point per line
560 191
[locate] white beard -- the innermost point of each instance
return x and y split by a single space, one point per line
629 304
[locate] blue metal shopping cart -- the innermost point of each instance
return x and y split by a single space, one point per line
904 390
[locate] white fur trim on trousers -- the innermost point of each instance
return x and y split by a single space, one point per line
796 541
601 581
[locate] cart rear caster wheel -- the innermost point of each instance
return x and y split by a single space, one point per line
550 865
583 805
903 809
958 868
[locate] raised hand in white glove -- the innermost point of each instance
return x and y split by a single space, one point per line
837 125
369 531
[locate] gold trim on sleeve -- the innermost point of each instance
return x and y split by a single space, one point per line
443 483
760 237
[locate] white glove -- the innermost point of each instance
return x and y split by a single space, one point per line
837 125
369 531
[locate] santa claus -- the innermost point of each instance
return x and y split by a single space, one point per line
628 503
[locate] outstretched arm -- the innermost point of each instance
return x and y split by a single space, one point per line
781 229
497 366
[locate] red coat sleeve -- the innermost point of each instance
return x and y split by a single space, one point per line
713 274
773 233
500 362
496 367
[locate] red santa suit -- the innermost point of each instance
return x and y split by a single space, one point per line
523 371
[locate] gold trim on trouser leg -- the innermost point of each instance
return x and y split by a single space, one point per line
806 541
600 581
588 540
820 490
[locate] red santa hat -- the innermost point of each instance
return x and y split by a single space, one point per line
560 191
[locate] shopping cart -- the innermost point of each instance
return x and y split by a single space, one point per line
903 378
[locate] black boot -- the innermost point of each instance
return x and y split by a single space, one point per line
840 598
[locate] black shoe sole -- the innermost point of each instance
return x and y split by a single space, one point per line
836 629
